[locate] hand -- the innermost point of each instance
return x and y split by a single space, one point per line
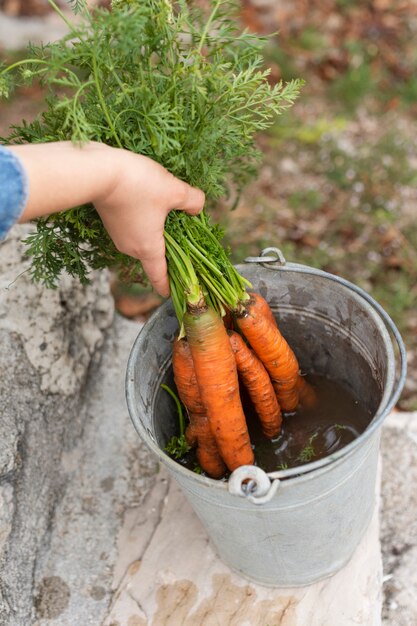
132 194
135 209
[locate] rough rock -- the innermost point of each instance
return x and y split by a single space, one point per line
49 342
109 475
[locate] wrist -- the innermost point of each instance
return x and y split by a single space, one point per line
110 165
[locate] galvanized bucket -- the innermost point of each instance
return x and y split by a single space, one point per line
297 526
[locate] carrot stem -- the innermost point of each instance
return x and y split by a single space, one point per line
173 395
196 254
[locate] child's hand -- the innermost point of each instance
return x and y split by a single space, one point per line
135 209
132 193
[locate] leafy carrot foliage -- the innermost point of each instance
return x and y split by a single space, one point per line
180 85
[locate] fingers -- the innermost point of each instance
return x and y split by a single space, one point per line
185 198
155 267
135 210
190 199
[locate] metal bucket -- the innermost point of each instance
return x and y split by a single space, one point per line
300 525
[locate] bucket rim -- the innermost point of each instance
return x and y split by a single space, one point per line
294 472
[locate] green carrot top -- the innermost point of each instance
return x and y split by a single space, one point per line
184 87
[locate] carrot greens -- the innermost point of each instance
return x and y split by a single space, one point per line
170 81
177 446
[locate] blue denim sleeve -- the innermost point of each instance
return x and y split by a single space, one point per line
13 190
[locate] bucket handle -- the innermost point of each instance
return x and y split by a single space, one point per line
269 256
252 483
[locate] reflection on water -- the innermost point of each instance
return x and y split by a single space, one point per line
308 435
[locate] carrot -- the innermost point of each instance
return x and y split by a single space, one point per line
274 352
307 395
216 373
191 436
263 307
198 433
257 382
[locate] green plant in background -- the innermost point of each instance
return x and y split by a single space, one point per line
372 171
358 81
310 198
287 126
275 54
181 86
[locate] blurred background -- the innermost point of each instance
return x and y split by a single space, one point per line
337 188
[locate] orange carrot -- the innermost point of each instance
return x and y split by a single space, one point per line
307 395
216 373
190 432
263 307
198 433
257 382
274 352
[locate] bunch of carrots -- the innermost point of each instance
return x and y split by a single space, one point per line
209 359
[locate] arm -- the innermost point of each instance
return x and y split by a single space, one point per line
132 194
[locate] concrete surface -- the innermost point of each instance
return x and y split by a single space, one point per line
109 474
179 581
399 519
49 342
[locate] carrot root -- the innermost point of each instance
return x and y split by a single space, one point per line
307 394
274 352
257 382
198 433
263 307
217 379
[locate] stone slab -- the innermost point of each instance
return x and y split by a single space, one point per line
178 580
50 342
109 472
